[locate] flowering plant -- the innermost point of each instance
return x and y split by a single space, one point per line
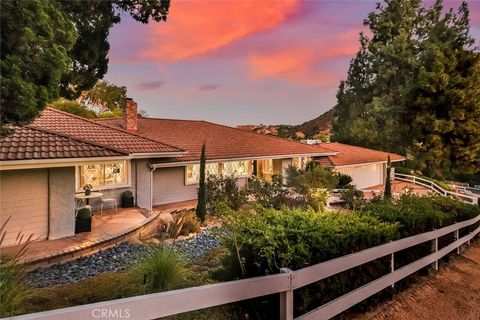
87 187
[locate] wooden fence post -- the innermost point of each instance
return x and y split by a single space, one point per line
435 249
392 265
286 298
457 236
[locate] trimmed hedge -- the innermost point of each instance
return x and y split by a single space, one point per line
268 240
421 214
261 241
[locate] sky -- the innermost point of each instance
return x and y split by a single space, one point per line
243 61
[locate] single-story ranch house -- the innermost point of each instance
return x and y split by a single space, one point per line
45 164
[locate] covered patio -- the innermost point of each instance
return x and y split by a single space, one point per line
108 229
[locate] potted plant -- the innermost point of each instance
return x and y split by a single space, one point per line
127 199
83 220
88 189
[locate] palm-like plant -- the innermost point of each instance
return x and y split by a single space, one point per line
13 290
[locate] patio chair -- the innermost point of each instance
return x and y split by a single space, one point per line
104 201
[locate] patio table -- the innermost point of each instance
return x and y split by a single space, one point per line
92 195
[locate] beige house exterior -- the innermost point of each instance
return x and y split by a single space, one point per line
44 166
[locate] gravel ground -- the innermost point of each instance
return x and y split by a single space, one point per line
194 248
452 293
117 259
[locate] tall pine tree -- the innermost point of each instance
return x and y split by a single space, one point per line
413 88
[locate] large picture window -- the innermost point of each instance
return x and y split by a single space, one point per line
193 172
237 168
103 175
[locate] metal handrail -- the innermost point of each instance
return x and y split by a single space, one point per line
435 187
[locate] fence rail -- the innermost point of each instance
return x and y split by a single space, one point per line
163 304
472 199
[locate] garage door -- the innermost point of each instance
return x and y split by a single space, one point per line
24 198
364 176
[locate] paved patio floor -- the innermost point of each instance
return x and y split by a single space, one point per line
398 187
107 224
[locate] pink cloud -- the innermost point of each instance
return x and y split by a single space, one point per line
306 62
195 28
150 85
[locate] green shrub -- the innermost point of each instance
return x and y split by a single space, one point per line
84 214
403 170
352 198
165 269
458 210
417 214
261 241
184 223
269 194
226 189
344 180
312 183
127 194
313 176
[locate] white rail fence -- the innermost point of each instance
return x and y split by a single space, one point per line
157 305
436 188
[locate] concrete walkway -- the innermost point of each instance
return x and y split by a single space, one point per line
452 293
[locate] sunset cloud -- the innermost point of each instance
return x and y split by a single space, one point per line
304 62
198 27
150 85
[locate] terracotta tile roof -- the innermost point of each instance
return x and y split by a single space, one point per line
222 142
350 155
29 144
96 132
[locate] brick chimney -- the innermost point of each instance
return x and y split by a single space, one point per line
130 116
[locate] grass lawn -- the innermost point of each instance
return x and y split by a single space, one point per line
110 286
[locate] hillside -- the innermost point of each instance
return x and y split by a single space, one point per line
319 128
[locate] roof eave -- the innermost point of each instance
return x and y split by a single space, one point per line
364 163
54 163
183 163
147 155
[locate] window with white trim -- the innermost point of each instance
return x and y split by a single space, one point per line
237 168
103 175
192 172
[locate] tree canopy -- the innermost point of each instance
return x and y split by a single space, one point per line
58 48
414 88
36 40
104 97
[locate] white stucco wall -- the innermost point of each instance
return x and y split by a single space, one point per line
365 176
143 183
24 198
62 202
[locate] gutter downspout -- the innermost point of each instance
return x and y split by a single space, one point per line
152 169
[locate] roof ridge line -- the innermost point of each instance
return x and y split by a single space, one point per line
106 126
263 135
86 141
